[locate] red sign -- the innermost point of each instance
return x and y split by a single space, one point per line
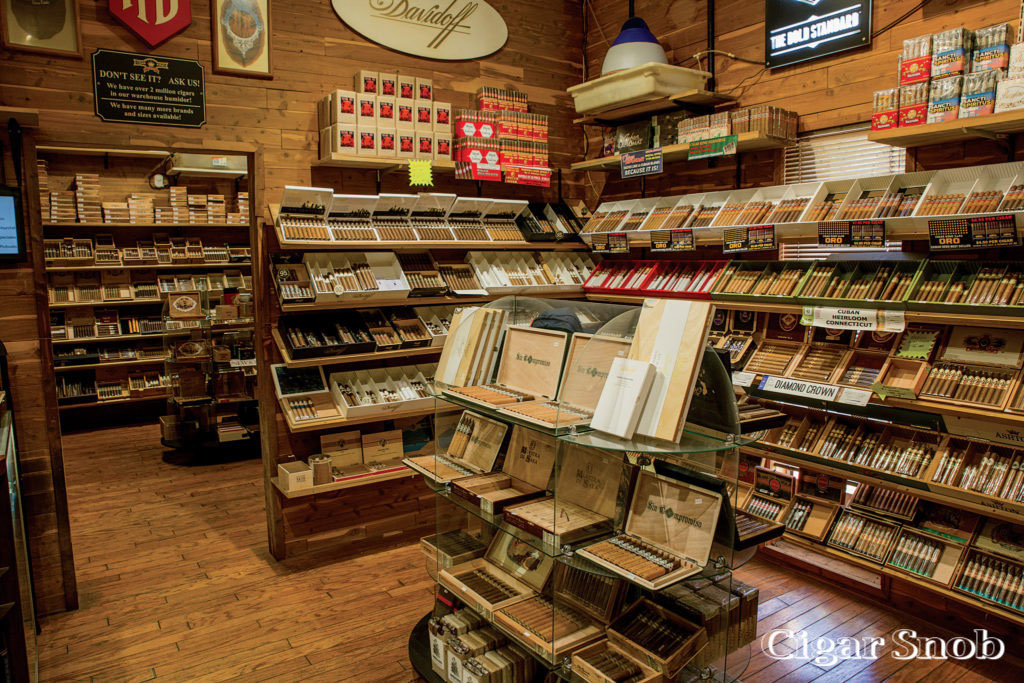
153 20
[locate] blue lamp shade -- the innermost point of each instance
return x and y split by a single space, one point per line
634 46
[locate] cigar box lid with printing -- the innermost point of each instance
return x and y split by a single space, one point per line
596 595
670 663
531 360
293 382
774 484
311 202
472 448
589 362
984 346
529 460
1002 538
520 560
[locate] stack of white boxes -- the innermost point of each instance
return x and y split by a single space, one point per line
387 115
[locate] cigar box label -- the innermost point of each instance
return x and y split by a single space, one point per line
949 62
406 87
387 141
425 145
424 114
386 109
367 140
854 397
977 105
407 143
913 115
947 109
853 319
917 70
388 85
996 57
743 379
885 119
346 139
367 107
792 387
405 113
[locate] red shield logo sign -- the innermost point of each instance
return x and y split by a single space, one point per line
153 20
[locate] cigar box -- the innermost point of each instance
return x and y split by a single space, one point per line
366 138
588 363
1001 538
710 613
816 504
406 86
338 106
318 336
424 88
387 142
524 474
405 114
116 285
386 112
424 144
583 603
384 335
473 647
291 281
451 548
588 483
442 117
510 572
68 251
380 391
498 219
382 448
675 640
303 213
366 81
864 535
926 555
992 579
862 367
442 146
976 366
471 349
901 378
472 448
105 252
760 280
782 338
884 501
739 340
411 330
671 519
529 369
589 664
772 494
303 394
801 432
823 357
187 306
405 144
345 449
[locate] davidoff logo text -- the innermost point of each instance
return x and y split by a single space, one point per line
451 19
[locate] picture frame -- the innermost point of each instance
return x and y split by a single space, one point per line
58 24
241 55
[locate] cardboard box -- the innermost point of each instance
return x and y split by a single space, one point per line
442 146
387 84
405 113
424 114
406 144
293 476
367 141
367 81
385 111
424 144
387 142
338 138
424 88
406 87
366 112
339 107
442 116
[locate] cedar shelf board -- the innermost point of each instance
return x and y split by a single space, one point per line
894 574
111 364
102 151
410 301
1003 123
361 480
344 359
630 112
155 266
746 142
147 226
341 422
380 163
105 304
206 172
96 404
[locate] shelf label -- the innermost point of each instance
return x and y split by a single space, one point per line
854 397
794 387
712 147
242 362
743 379
673 240
610 243
865 234
853 319
636 164
976 232
751 238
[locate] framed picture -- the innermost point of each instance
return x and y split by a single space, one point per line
49 27
241 37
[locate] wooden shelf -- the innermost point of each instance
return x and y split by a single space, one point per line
155 266
101 151
147 226
111 364
105 304
343 422
638 110
747 142
378 163
119 401
222 173
352 482
153 335
413 301
288 361
1004 123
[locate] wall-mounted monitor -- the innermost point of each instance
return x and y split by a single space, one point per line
12 232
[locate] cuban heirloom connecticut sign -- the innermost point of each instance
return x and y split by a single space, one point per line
452 30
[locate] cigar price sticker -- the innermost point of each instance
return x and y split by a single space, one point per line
793 387
242 362
610 243
636 164
870 234
751 238
853 319
854 397
673 240
977 232
149 89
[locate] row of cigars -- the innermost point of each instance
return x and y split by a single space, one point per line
319 215
143 286
935 285
162 250
923 194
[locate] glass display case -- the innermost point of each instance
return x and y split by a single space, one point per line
568 540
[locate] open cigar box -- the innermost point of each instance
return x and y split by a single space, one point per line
303 394
668 533
472 449
510 572
926 555
821 360
471 348
657 637
588 363
524 474
604 662
582 606
529 369
863 535
782 339
818 499
449 549
976 366
755 417
739 339
885 501
800 432
992 578
587 482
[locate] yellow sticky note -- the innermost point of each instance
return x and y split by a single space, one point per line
421 172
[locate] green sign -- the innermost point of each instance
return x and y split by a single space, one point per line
713 147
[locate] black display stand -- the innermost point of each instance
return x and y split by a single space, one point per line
419 650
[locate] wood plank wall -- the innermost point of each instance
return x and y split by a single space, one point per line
826 92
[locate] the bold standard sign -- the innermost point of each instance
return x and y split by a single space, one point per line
798 30
153 20
160 91
449 30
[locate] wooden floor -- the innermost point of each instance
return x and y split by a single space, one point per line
176 584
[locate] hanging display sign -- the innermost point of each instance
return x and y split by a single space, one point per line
752 238
452 31
866 234
153 20
798 30
680 239
636 164
976 232
712 147
793 387
159 91
610 243
853 319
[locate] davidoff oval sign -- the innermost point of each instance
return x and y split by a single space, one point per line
442 29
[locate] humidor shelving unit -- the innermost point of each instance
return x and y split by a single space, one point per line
535 511
746 142
361 292
989 126
124 232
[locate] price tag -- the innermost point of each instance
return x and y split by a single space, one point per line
743 379
854 397
977 232
242 362
752 238
618 243
636 164
673 240
868 234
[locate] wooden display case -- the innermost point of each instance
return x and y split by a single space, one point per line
669 520
590 664
451 548
473 449
524 475
668 658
